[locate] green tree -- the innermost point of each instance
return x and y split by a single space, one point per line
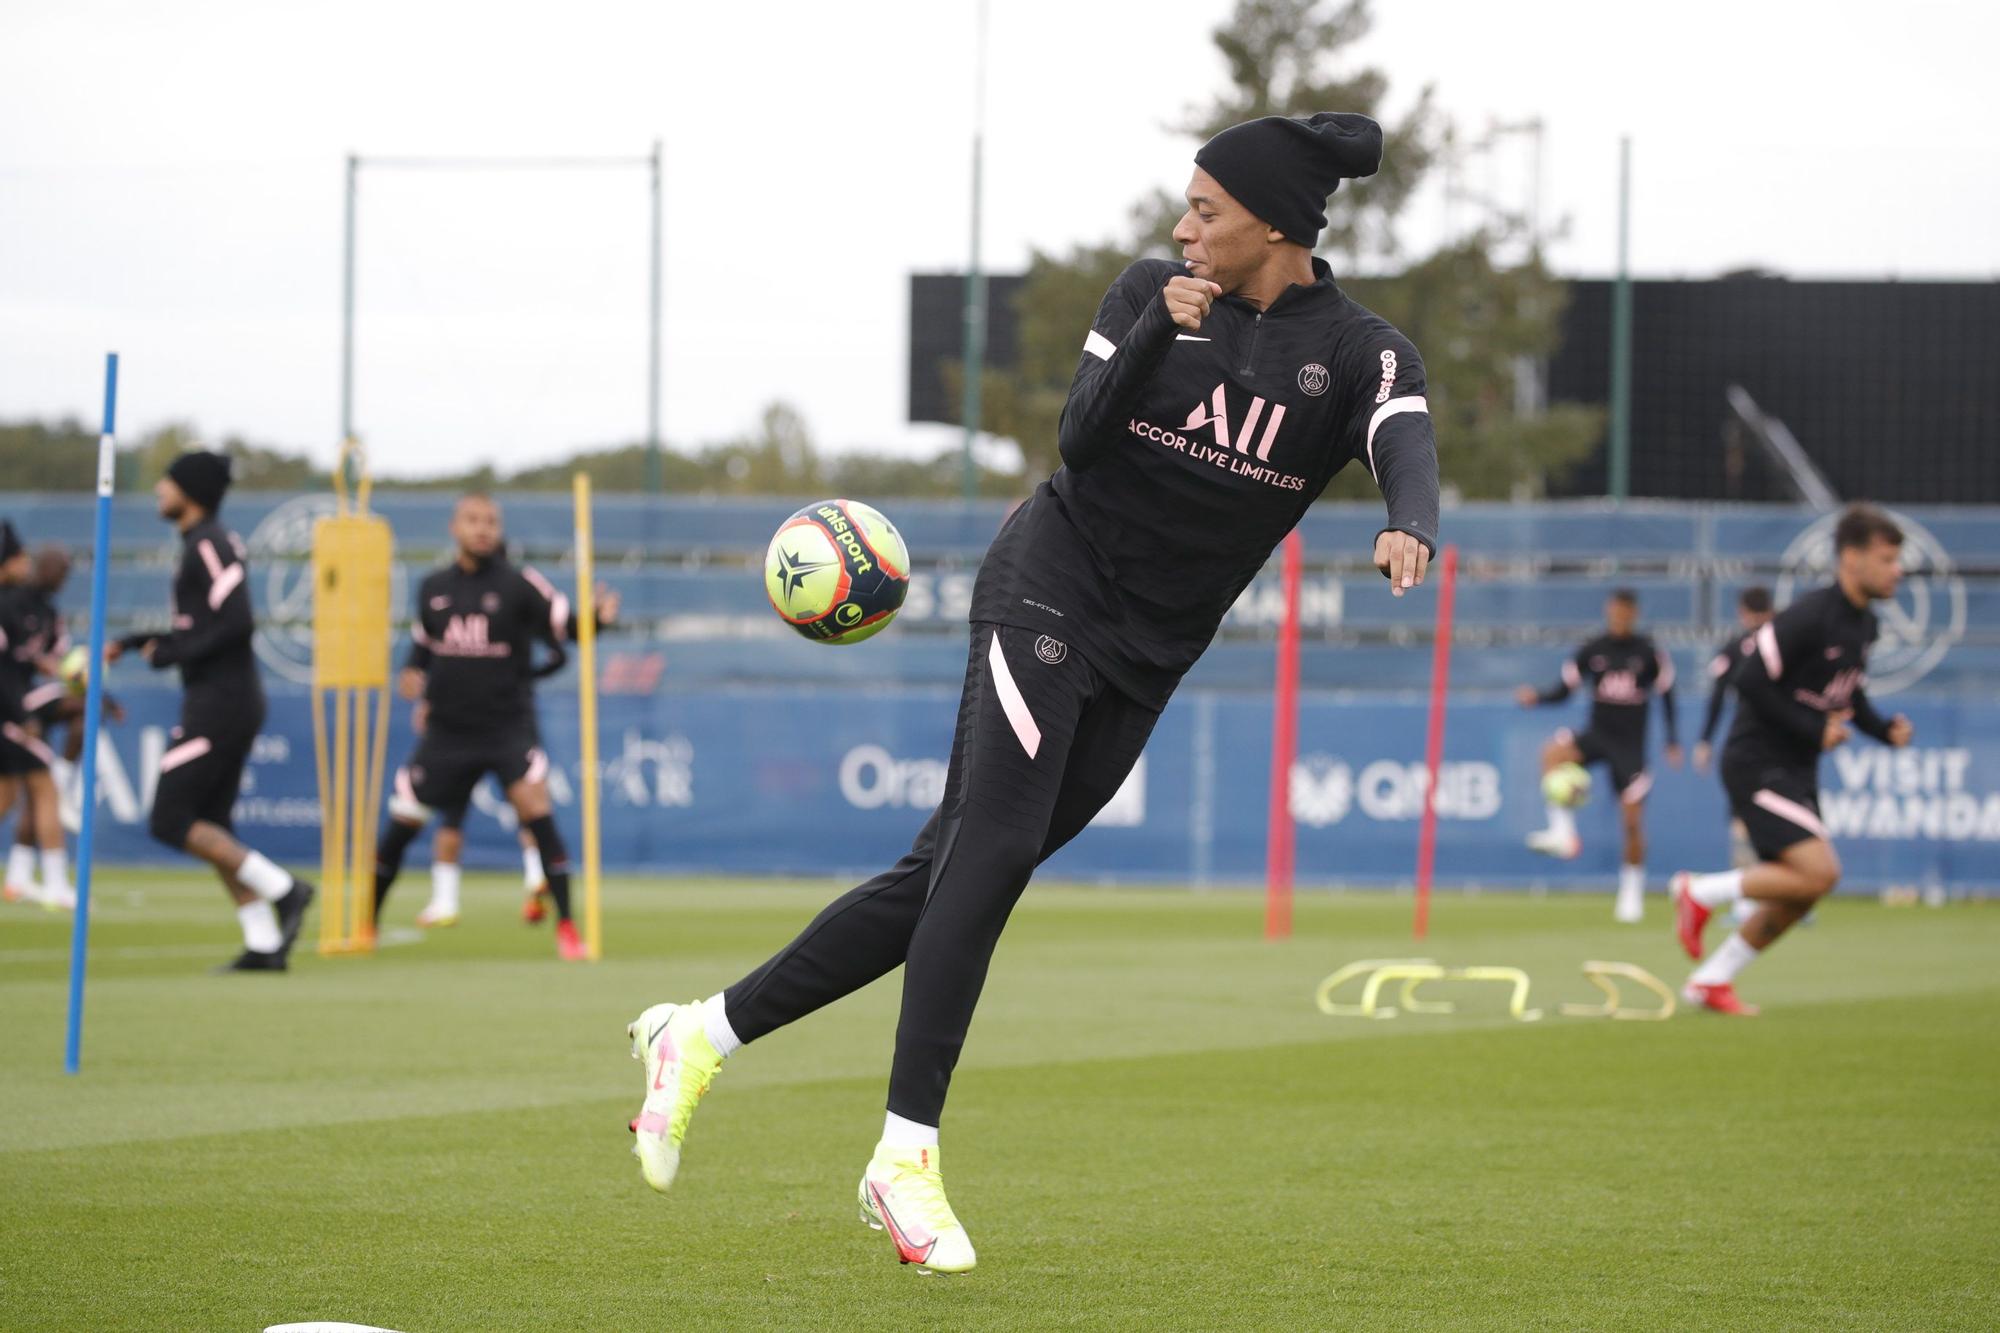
1481 328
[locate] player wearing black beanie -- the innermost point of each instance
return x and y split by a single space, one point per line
1214 399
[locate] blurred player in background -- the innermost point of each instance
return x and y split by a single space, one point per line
1804 681
448 843
477 621
1753 612
20 753
1214 398
36 643
1624 669
222 710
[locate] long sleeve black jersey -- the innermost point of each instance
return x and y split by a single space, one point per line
474 635
31 630
1623 675
1187 457
1811 660
1721 676
213 624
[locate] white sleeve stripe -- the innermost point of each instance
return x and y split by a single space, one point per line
1099 346
225 583
1665 679
1394 407
1767 647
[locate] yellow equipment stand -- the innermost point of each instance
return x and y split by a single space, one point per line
351 555
586 694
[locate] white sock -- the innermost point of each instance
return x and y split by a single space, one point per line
260 927
55 870
21 866
1717 890
1562 820
900 1133
716 1024
444 886
1720 968
263 878
1631 881
531 868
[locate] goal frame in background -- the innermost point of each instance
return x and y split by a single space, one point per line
655 466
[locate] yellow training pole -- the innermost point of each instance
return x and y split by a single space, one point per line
353 552
586 683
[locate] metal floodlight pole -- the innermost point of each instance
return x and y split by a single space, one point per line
975 279
652 162
1621 335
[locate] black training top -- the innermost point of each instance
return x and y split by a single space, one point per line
31 628
1811 660
1721 674
1623 675
474 635
213 624
1187 457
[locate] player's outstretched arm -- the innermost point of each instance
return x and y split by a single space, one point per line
1392 428
1895 731
1127 341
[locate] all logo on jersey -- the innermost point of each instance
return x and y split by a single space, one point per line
1314 380
1215 413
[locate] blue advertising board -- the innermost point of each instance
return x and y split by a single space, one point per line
762 779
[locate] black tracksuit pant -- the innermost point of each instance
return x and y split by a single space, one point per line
1043 742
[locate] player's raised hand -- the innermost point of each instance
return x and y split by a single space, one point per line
1701 753
1527 696
1836 729
1402 560
1189 300
1674 756
1901 732
410 684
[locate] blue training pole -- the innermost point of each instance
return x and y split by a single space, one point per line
93 705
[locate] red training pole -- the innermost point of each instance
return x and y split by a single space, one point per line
1279 841
1434 739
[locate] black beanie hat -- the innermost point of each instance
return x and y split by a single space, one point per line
10 541
204 477
1283 169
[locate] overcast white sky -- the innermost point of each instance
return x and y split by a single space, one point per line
171 176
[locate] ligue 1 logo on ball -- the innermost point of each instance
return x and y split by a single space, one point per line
1919 625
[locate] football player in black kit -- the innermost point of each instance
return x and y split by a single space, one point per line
35 644
477 621
1753 612
222 709
1805 681
1624 669
1214 398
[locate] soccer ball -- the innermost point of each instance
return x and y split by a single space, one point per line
76 669
837 571
1566 784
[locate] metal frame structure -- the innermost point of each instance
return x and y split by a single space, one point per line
651 162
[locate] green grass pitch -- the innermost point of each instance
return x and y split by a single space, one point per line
1153 1128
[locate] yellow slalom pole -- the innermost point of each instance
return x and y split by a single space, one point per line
586 669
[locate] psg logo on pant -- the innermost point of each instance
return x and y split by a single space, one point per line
1052 651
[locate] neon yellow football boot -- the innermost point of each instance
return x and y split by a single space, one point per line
902 1192
680 1064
